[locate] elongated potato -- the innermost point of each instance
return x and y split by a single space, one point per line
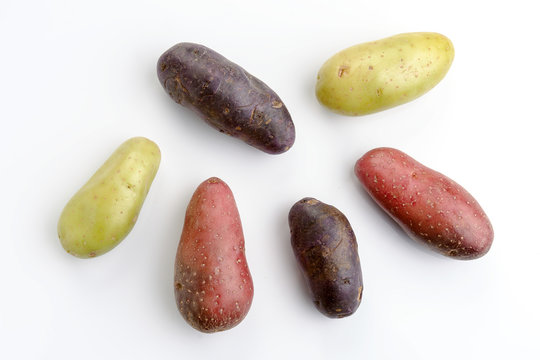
226 96
378 75
325 247
429 206
105 209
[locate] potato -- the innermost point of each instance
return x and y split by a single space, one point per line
378 75
325 248
226 96
429 206
105 209
212 282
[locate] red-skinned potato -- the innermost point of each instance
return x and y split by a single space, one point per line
429 206
212 282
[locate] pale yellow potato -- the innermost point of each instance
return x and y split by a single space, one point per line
105 209
378 75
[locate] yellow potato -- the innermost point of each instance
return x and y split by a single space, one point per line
378 75
105 209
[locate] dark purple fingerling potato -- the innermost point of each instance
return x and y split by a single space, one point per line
326 250
226 96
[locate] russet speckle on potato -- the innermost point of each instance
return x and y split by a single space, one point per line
325 247
378 75
429 206
212 281
103 212
226 96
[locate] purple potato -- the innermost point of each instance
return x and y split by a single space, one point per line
226 96
326 250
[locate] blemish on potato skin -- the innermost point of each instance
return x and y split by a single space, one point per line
343 70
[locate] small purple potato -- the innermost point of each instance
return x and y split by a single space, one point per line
226 96
325 247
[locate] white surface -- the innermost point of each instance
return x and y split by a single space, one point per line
78 78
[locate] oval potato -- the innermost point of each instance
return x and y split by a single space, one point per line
226 96
429 206
378 75
212 282
325 247
105 209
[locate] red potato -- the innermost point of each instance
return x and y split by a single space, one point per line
212 282
429 206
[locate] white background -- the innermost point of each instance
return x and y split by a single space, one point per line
77 78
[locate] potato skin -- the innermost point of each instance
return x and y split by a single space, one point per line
226 96
103 212
212 283
429 206
378 75
326 250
